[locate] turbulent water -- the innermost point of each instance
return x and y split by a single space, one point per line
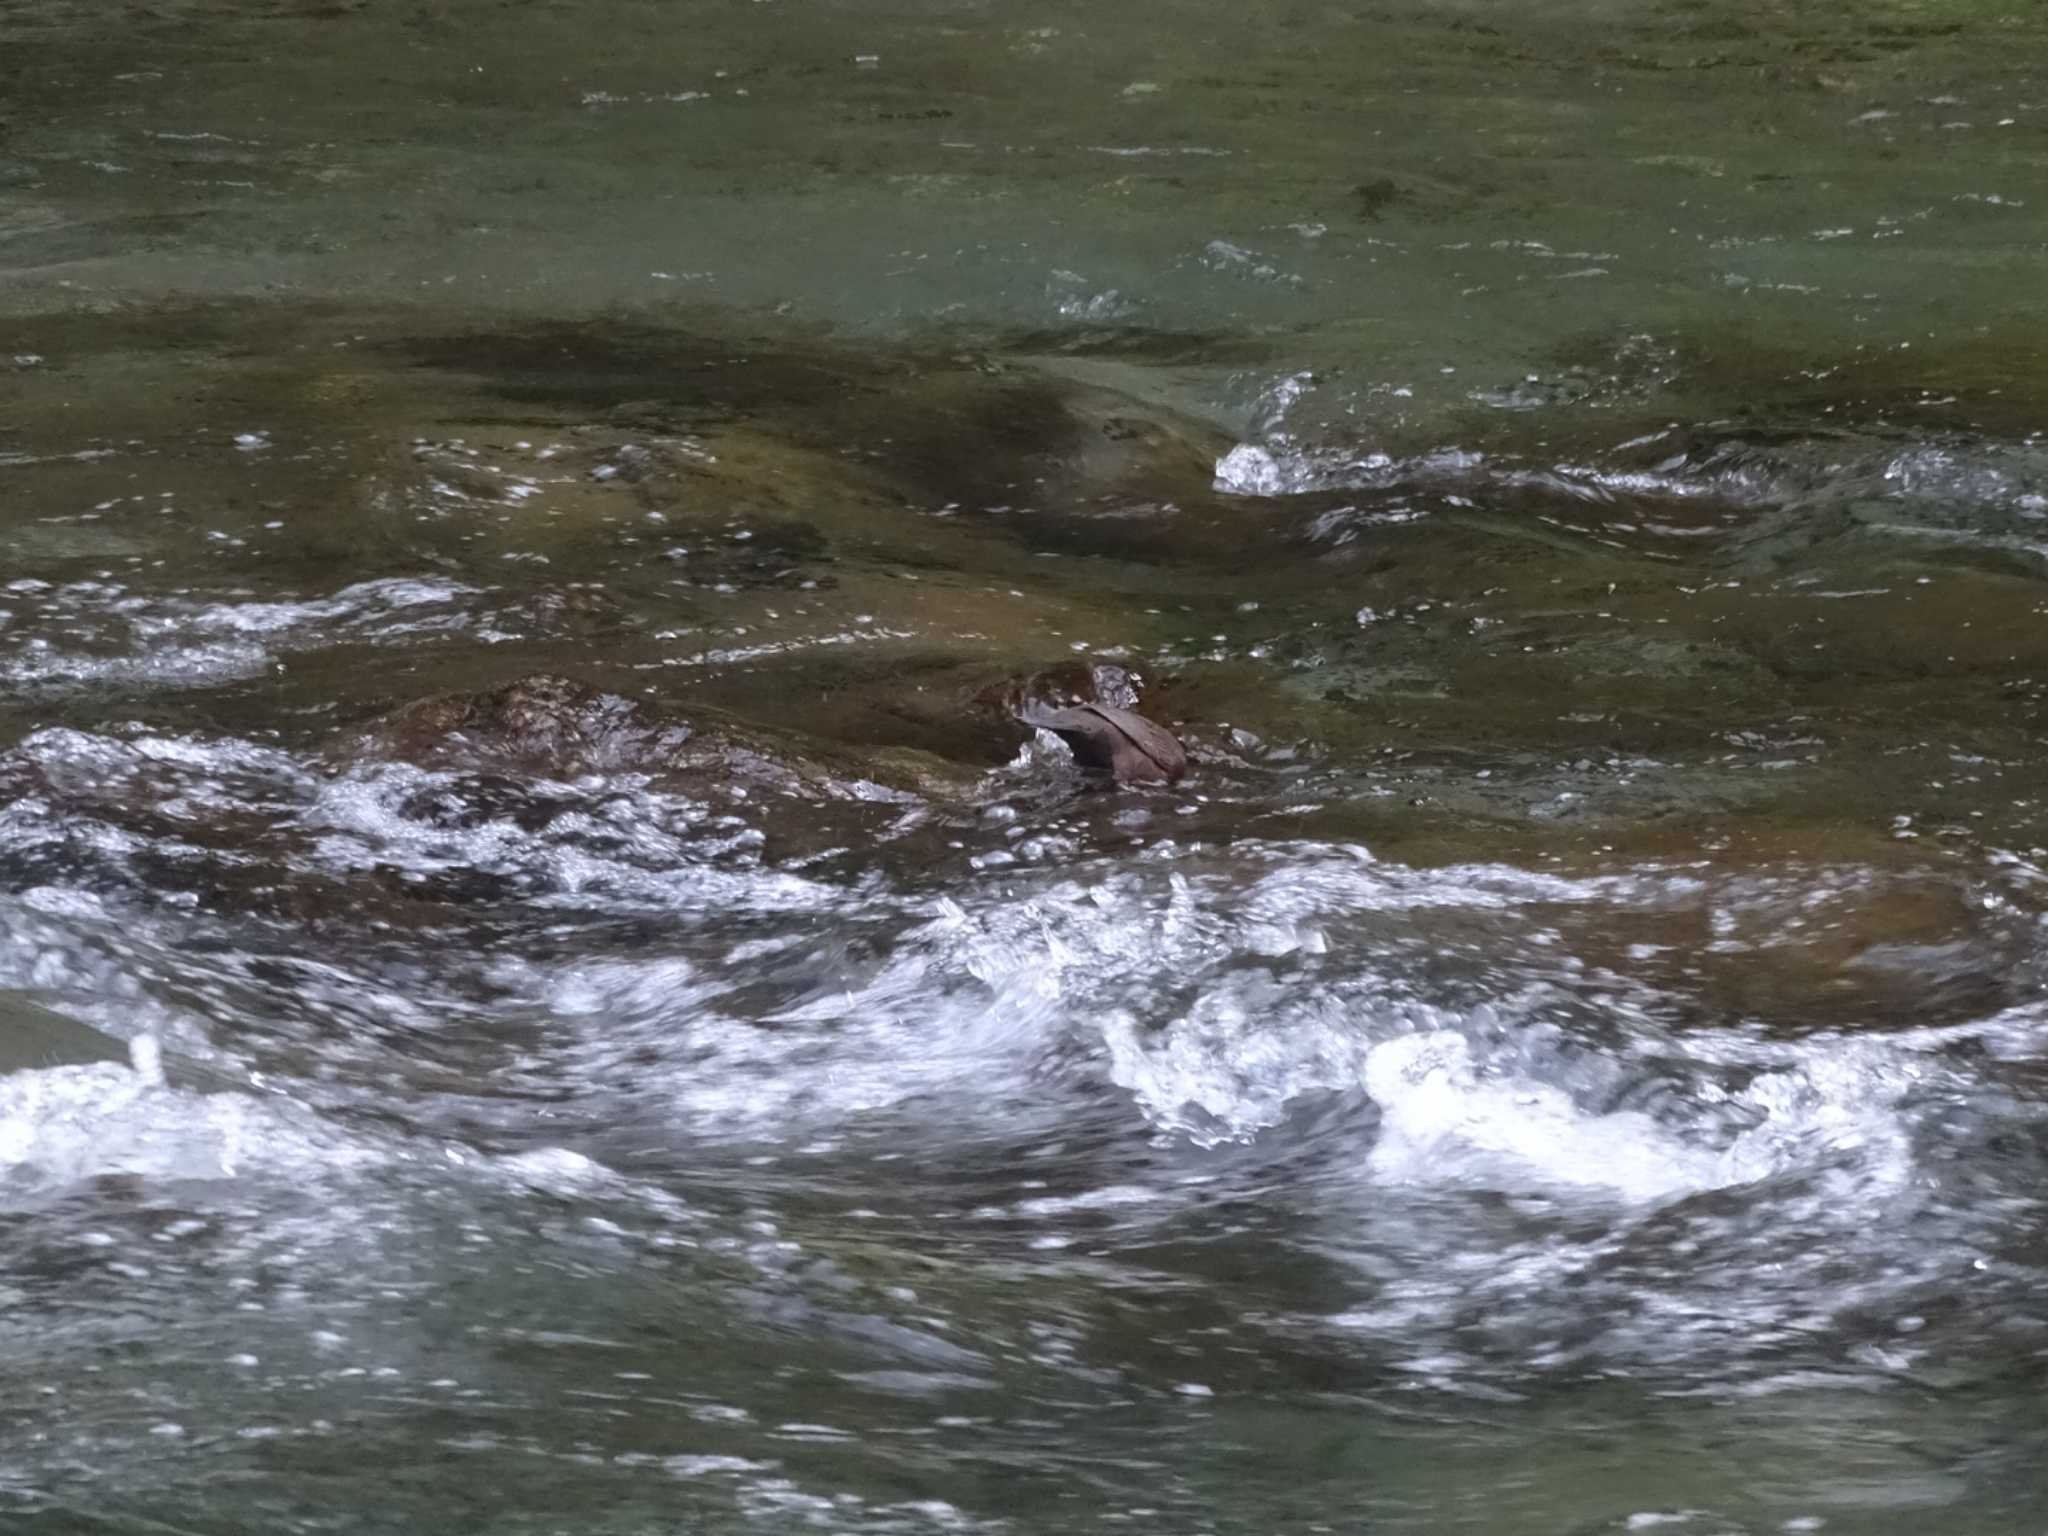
1571 1056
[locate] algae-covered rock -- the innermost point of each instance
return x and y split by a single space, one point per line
551 725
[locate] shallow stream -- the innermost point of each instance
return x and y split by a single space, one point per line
1571 1056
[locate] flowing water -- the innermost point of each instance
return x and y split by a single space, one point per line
1572 1056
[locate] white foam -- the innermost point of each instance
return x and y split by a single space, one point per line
181 640
1442 1121
1250 470
61 1126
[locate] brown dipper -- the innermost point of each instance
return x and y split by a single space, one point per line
1128 747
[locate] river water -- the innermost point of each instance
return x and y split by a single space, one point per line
1572 1056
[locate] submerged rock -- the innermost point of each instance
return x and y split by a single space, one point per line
501 740
1066 684
545 723
559 761
32 1036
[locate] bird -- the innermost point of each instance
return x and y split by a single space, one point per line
1128 747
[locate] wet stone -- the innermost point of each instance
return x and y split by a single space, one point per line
1068 683
547 723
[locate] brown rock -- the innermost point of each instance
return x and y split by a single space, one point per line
1061 685
550 724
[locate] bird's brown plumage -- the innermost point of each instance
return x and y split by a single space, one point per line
1115 741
